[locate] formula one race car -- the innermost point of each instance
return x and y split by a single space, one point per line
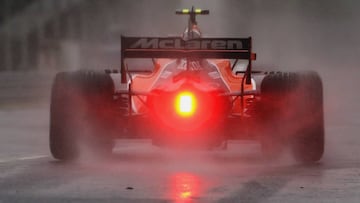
195 96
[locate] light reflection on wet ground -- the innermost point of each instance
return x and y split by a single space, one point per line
185 187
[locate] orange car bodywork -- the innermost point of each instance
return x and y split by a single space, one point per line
144 83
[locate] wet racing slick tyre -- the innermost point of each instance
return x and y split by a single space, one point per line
79 114
307 144
274 87
293 115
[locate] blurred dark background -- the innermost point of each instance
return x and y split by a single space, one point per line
73 34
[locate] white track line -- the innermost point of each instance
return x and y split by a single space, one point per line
23 158
33 157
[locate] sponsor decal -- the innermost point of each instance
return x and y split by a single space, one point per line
200 44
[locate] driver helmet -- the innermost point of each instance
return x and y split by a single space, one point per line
194 33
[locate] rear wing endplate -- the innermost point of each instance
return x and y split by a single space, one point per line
171 47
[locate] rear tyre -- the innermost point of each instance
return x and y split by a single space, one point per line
274 89
80 113
293 115
308 142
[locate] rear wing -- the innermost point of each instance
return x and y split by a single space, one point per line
175 47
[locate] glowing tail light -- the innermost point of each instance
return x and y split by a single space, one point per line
185 104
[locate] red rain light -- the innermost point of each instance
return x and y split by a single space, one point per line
185 104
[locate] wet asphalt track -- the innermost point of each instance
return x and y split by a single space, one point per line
138 172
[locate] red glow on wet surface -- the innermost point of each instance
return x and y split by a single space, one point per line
185 187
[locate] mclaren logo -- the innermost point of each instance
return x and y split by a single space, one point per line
216 44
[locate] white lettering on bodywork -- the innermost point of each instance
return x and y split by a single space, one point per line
234 44
218 44
145 44
166 44
155 43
